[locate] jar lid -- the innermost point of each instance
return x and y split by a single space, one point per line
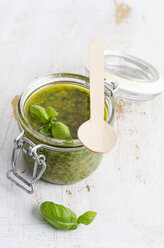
137 79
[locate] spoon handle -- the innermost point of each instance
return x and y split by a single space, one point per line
96 67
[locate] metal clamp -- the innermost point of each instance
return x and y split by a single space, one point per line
111 86
19 142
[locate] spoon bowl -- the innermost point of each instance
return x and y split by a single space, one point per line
97 137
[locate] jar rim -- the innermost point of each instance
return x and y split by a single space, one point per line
42 81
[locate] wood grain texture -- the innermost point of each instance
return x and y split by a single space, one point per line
39 37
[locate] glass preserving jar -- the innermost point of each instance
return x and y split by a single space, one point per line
62 162
53 160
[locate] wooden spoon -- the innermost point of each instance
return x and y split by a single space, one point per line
96 134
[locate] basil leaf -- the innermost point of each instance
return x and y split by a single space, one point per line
60 217
60 131
87 217
51 113
46 129
39 113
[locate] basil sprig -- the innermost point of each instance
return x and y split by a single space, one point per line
63 218
52 127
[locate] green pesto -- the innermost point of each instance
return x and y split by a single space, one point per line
72 104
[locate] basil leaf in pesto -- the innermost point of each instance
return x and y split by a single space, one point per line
46 129
87 217
51 113
39 113
60 131
60 217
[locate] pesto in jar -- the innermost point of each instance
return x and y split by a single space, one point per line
72 103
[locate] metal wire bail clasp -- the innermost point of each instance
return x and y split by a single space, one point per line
22 183
111 86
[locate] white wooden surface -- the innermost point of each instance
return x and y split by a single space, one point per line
127 191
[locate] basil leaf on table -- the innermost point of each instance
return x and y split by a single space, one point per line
87 217
46 129
63 218
60 131
51 113
60 217
39 113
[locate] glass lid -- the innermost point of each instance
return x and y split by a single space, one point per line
137 79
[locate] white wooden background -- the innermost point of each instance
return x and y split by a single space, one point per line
127 191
